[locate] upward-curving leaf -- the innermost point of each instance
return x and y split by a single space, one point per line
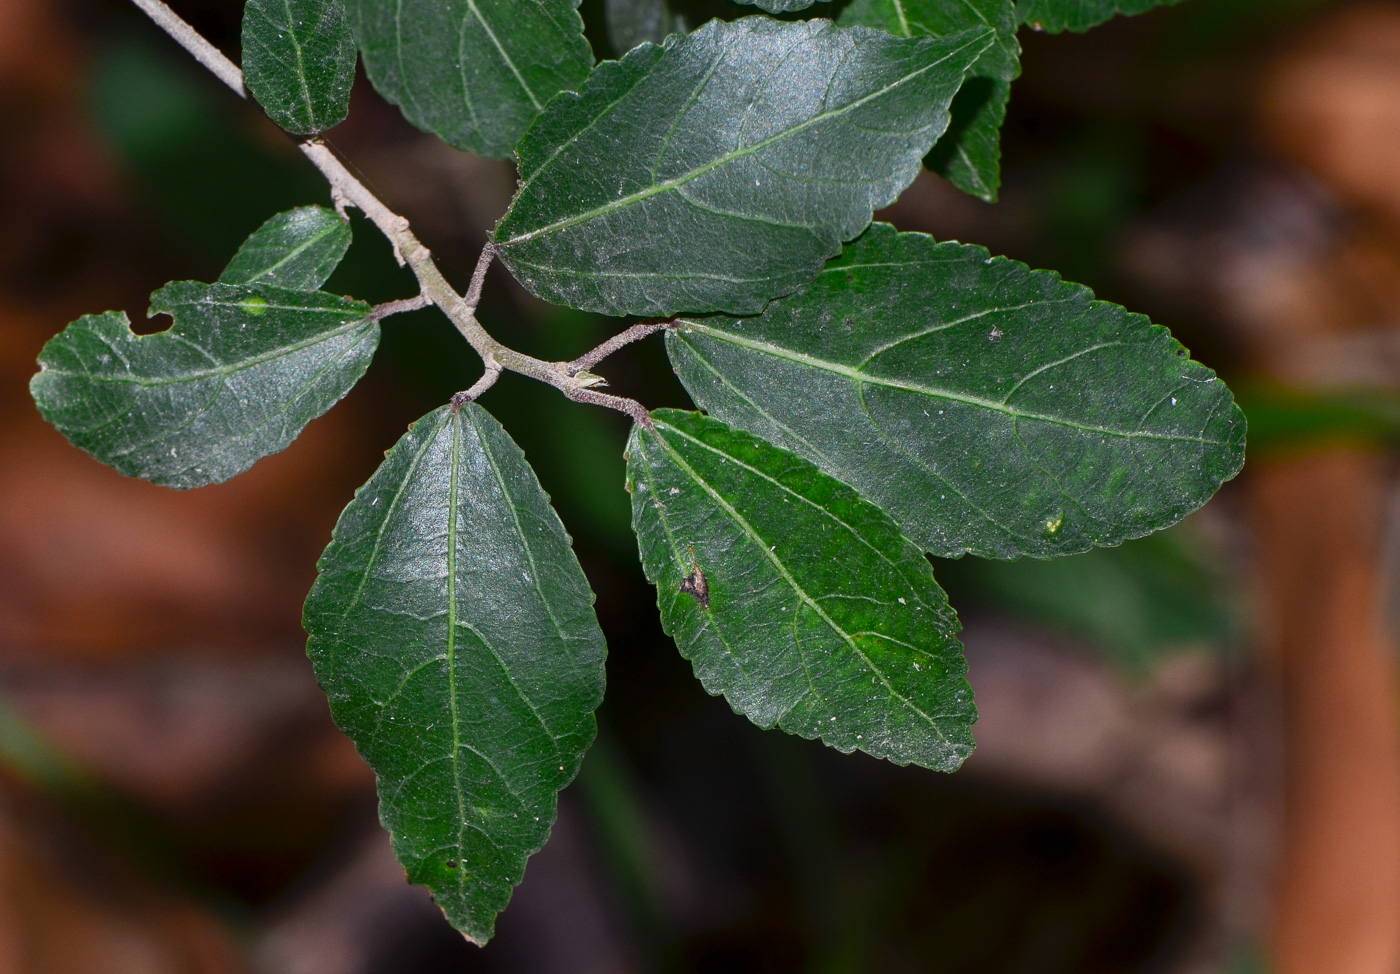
1055 16
453 632
475 72
300 248
238 376
988 408
299 61
723 168
796 599
969 154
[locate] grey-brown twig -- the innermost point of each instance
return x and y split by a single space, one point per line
634 334
348 190
382 311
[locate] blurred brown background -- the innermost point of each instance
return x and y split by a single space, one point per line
1189 754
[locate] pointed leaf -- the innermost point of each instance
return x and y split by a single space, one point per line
475 72
969 154
796 599
299 61
722 168
453 632
237 377
1054 16
988 408
296 249
944 18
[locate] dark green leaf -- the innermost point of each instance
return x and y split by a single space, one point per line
969 154
453 632
944 18
475 72
796 599
299 61
296 249
721 169
987 407
1079 15
238 376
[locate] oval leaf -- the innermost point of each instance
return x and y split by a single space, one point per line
1055 16
796 599
238 376
453 632
300 248
724 167
475 72
987 407
299 61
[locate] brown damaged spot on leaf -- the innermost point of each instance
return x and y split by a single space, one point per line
695 584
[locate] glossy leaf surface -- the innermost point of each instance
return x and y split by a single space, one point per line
475 72
797 600
299 61
722 169
969 154
300 249
1055 16
238 375
453 632
987 407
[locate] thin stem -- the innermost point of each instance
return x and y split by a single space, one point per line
634 334
193 41
483 264
382 311
435 289
487 380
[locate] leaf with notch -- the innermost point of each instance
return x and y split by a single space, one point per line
453 631
237 377
721 169
1054 16
474 72
300 248
299 61
796 599
969 154
988 408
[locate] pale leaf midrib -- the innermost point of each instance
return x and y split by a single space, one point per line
748 529
862 378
